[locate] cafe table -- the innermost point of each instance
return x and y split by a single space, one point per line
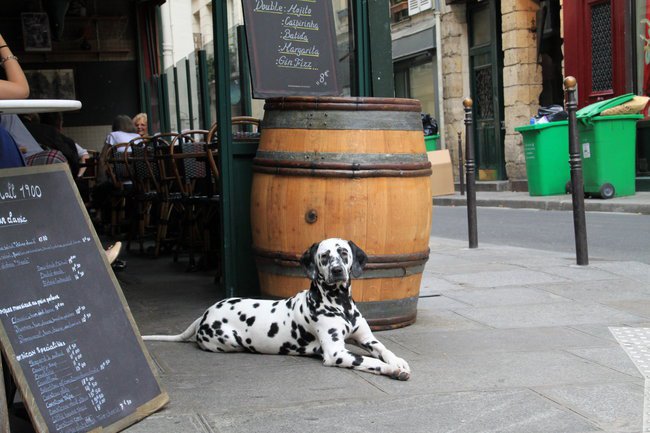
21 106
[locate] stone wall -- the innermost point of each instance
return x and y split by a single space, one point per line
455 75
522 78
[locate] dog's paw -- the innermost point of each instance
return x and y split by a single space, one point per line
401 370
401 375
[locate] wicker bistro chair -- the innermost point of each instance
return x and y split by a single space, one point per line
121 195
168 195
144 171
197 179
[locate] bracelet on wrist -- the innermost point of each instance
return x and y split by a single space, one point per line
4 59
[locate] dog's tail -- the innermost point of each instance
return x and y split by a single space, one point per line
185 336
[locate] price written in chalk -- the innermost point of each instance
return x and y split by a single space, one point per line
322 79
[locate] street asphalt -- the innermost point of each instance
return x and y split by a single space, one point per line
506 340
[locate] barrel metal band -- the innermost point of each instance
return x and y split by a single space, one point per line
346 165
348 120
378 266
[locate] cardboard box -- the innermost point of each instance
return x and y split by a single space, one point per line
442 178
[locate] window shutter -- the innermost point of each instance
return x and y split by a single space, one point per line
425 5
417 6
414 7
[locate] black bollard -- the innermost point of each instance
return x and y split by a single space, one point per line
461 175
470 169
575 163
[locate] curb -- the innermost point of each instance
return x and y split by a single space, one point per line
561 203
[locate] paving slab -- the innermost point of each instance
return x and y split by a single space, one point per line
612 406
550 314
469 412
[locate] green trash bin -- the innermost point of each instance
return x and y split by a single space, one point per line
431 142
608 145
546 148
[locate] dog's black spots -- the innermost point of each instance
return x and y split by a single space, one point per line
250 321
249 341
306 337
216 324
238 339
206 339
256 305
242 317
331 331
205 329
358 360
224 320
275 303
339 361
318 351
234 301
221 340
232 308
301 310
287 348
273 330
218 331
272 310
288 304
219 349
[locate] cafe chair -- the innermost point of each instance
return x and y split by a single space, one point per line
196 180
121 194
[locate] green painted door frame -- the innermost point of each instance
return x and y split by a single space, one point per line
372 77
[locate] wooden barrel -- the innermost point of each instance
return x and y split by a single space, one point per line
353 168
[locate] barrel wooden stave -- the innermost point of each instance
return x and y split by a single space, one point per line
313 181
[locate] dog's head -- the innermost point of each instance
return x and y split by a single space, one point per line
333 261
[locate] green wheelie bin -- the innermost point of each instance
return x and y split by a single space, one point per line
546 149
608 145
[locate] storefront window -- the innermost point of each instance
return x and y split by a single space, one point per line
415 79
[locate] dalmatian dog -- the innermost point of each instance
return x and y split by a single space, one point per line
315 322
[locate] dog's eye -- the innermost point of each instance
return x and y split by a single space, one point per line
324 259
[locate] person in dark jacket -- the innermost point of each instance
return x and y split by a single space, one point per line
50 138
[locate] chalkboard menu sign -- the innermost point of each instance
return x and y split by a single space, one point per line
65 328
292 47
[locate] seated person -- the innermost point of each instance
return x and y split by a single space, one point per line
25 141
123 131
10 155
56 120
49 138
140 122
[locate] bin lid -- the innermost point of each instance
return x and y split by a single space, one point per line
538 126
596 108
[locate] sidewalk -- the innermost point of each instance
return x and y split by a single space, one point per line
506 340
637 203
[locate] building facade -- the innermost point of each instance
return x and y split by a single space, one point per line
510 57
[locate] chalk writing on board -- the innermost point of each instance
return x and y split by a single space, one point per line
292 47
73 345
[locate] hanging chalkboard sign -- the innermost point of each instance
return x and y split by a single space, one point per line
292 47
66 331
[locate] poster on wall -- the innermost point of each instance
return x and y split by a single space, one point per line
36 31
292 47
51 83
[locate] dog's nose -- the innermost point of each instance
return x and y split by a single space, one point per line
337 270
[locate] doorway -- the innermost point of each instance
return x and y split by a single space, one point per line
486 82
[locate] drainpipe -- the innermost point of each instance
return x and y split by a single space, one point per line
439 93
167 42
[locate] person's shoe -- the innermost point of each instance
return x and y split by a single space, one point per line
113 251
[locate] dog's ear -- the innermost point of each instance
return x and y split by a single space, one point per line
308 263
360 260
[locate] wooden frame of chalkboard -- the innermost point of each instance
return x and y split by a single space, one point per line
4 413
66 330
291 47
